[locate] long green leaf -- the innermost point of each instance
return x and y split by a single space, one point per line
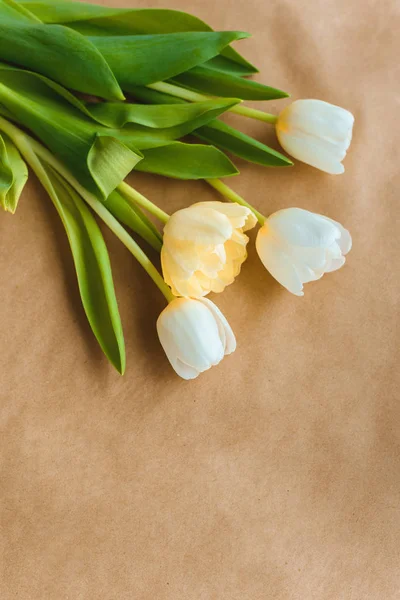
60 53
187 161
145 59
216 83
222 135
13 174
93 269
143 137
91 19
119 114
94 155
10 8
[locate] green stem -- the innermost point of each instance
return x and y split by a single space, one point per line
254 113
179 92
136 197
232 196
32 151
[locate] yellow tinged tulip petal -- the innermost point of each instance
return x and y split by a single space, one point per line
205 247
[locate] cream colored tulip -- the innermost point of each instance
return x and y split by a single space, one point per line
195 335
317 133
298 246
205 247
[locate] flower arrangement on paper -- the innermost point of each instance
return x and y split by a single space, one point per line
104 91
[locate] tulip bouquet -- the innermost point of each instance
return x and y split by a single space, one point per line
90 93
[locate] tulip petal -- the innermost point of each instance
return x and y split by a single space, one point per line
190 288
183 370
335 264
345 241
189 333
314 258
226 334
199 225
303 228
320 119
240 217
277 262
312 152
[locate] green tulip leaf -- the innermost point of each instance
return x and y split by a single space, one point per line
222 135
60 53
11 9
216 83
142 138
13 174
96 157
119 114
91 19
93 269
144 59
187 161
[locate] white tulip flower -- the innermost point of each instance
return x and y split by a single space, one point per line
298 246
205 247
316 133
195 335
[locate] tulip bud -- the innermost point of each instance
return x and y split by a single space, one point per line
195 335
317 133
298 246
205 247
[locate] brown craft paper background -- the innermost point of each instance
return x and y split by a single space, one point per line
273 476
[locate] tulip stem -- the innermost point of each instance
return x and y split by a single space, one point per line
179 92
34 153
232 196
137 198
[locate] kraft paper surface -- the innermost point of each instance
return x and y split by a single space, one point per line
276 475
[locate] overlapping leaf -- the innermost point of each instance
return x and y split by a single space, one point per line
99 160
144 59
58 52
99 156
187 161
209 81
91 19
222 135
93 269
13 174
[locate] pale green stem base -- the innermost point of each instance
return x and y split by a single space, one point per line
136 197
32 151
179 92
232 196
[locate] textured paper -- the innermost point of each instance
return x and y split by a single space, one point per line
277 474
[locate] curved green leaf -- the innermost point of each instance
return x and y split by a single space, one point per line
222 135
9 8
91 151
59 53
142 137
145 59
119 114
13 174
91 19
93 269
216 83
187 161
